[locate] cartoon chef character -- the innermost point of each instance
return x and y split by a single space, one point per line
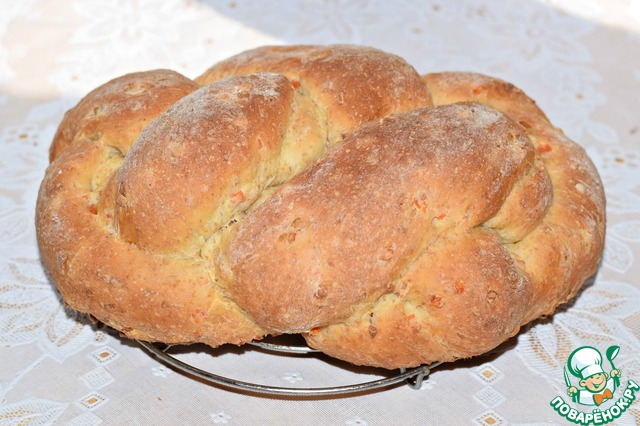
586 364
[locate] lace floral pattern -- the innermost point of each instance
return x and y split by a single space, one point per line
580 60
33 312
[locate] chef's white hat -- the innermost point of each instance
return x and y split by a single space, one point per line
585 361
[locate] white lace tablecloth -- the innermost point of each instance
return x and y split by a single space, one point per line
580 59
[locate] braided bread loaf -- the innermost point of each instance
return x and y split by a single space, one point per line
390 218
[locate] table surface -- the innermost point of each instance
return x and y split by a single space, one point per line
579 59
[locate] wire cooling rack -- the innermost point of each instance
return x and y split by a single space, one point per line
413 377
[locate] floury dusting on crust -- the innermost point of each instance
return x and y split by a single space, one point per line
392 219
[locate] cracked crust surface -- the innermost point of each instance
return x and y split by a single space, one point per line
392 219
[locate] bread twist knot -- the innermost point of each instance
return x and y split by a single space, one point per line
392 219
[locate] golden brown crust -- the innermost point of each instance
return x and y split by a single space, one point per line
356 207
117 111
349 83
565 248
222 143
392 219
